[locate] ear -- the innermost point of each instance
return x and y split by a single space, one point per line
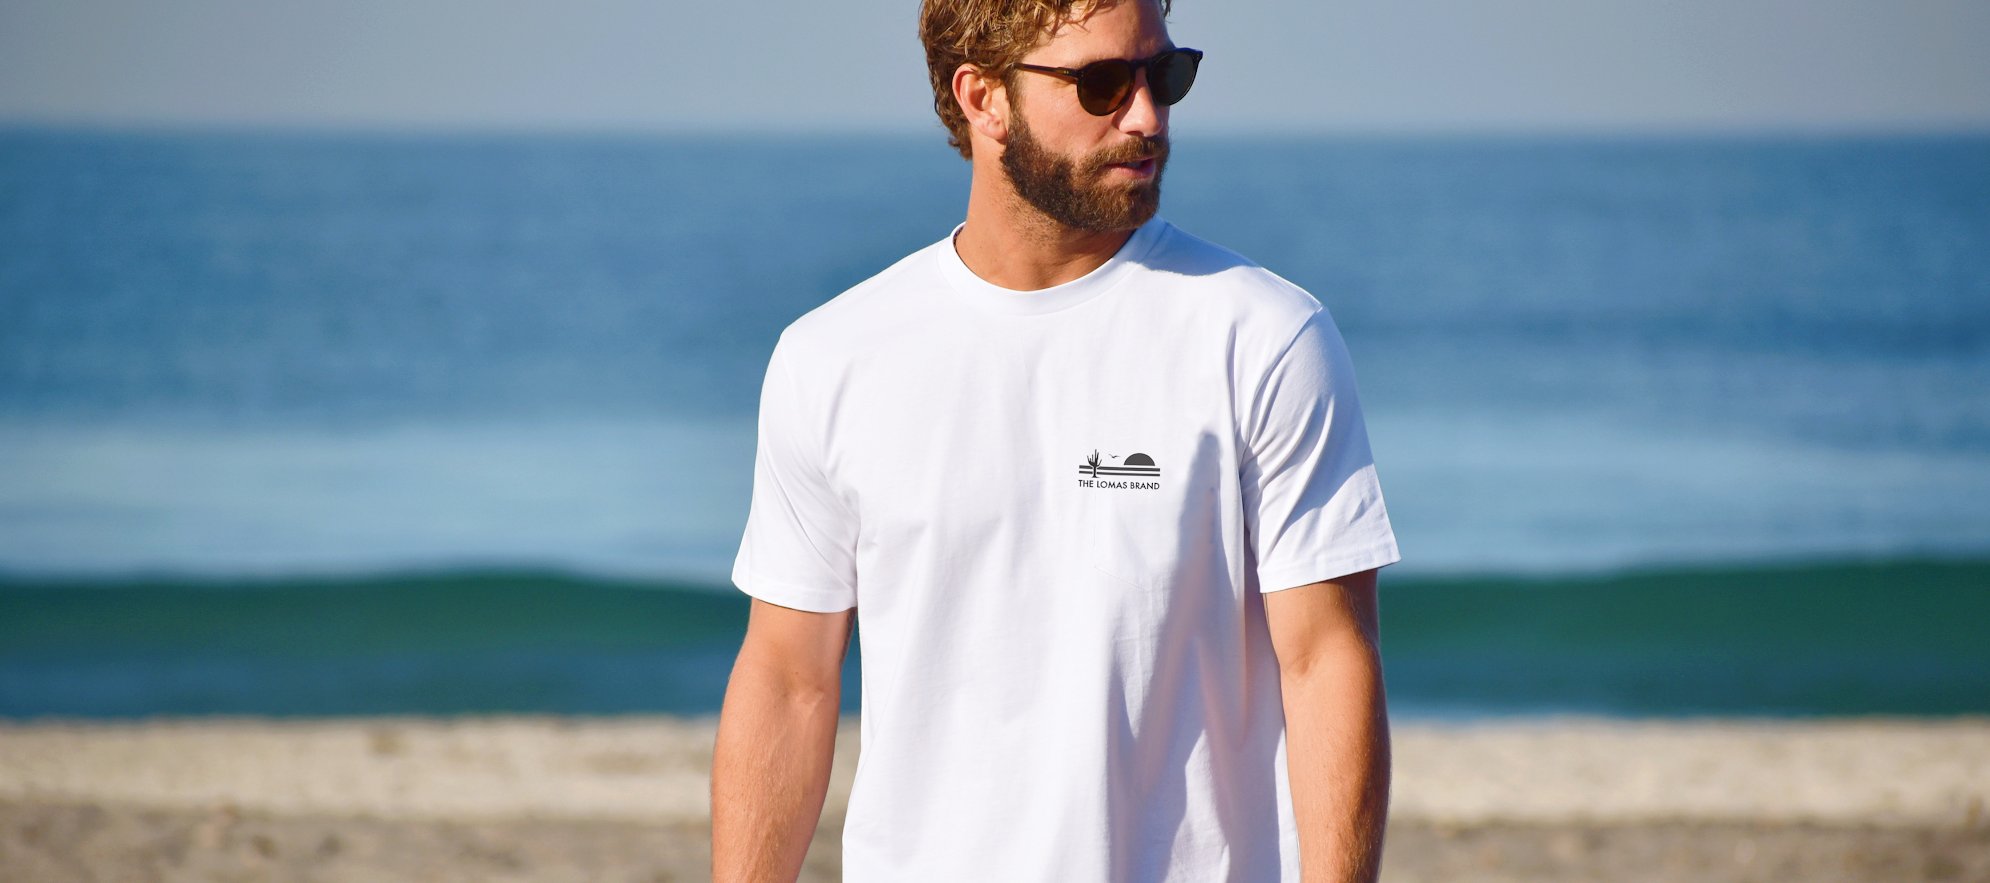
984 100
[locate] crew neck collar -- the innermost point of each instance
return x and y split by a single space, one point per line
994 298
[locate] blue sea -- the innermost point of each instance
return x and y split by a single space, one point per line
303 424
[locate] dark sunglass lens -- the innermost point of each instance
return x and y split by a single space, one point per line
1103 86
1170 76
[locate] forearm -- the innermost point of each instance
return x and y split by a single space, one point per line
770 773
1337 754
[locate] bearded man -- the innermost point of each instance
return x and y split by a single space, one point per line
1160 665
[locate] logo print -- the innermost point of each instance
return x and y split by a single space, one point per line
1127 473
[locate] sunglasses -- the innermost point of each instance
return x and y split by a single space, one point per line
1105 86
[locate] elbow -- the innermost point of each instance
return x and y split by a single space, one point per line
780 681
1350 655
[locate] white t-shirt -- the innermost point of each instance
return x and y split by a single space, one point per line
1054 511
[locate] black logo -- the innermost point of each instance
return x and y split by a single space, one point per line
1129 474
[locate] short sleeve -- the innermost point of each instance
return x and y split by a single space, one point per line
798 549
1313 506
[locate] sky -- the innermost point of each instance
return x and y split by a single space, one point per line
1275 66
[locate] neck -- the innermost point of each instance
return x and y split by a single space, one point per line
1009 243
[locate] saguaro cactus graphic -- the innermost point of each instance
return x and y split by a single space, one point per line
1093 461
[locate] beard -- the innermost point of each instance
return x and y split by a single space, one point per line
1075 193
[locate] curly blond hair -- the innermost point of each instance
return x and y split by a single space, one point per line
990 34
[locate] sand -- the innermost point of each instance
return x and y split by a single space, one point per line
555 799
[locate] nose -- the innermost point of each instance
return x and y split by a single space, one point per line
1142 115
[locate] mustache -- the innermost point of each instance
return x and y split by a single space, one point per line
1132 151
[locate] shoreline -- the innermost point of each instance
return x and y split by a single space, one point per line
586 798
655 768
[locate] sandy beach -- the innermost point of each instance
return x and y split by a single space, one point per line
625 799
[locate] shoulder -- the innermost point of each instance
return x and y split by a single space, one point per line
866 310
1250 298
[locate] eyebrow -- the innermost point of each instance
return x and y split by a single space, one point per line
1165 49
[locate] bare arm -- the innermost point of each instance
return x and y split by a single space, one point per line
777 736
1326 635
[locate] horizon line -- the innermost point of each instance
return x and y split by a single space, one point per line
391 130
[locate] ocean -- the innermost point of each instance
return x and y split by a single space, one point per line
353 424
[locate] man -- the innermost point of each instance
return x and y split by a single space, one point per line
1099 494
